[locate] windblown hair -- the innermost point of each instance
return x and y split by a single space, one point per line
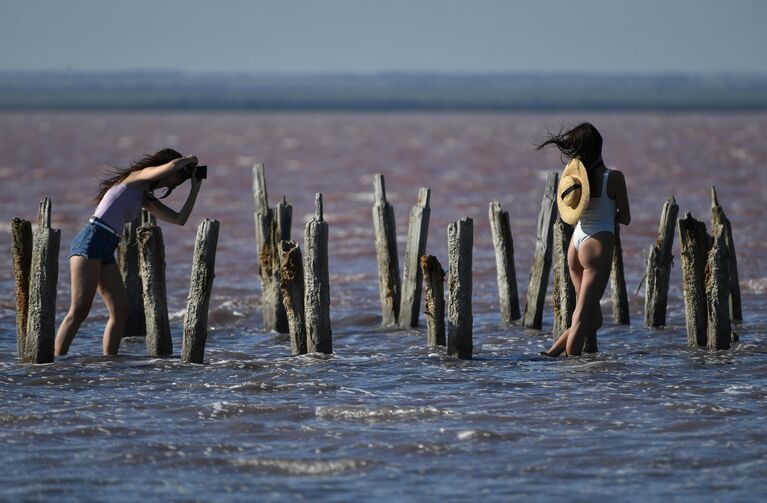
117 175
583 142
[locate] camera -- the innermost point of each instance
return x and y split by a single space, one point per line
202 172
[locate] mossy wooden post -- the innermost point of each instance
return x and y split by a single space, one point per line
434 293
718 293
695 243
317 284
292 289
200 287
460 241
152 265
43 278
508 298
620 297
21 253
539 274
563 292
386 253
127 260
659 268
412 279
718 218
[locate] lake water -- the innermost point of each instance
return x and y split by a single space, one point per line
386 417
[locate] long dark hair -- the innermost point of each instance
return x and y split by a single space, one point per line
583 141
117 175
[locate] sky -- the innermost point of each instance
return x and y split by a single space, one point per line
368 36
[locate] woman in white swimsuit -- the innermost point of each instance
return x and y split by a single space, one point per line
590 253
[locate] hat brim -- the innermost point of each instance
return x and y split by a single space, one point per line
569 215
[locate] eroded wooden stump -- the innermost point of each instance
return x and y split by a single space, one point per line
508 298
418 232
151 248
434 292
317 284
460 241
292 289
659 263
21 253
386 253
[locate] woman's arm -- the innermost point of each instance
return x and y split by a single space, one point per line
156 172
167 214
616 188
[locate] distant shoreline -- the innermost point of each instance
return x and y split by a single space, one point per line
384 92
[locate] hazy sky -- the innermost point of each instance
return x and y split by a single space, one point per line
379 35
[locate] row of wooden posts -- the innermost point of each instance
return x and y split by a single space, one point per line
141 258
296 290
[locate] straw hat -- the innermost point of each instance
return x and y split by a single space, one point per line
573 193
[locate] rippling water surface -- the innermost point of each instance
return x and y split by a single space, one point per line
386 416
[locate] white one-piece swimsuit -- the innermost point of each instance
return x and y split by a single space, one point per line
599 216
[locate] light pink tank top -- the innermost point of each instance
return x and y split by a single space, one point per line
119 205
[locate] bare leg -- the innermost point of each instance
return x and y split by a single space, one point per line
85 278
576 275
112 290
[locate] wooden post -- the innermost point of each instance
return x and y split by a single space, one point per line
695 243
127 259
460 240
659 268
718 218
200 287
508 298
147 217
386 253
317 284
620 297
43 277
563 294
292 289
718 293
152 265
412 279
434 291
21 252
539 275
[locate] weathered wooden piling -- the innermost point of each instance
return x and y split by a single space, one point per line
412 278
292 289
718 218
508 297
460 241
619 297
200 287
695 244
563 294
386 253
434 293
128 262
147 217
539 274
659 263
317 284
272 225
718 293
152 266
21 253
43 278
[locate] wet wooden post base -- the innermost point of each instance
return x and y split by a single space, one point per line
152 266
434 293
386 253
563 294
317 284
508 297
718 218
412 279
272 225
695 244
292 289
619 297
21 253
539 274
127 260
460 241
43 278
200 287
718 293
659 268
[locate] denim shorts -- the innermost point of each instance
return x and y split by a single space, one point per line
95 242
